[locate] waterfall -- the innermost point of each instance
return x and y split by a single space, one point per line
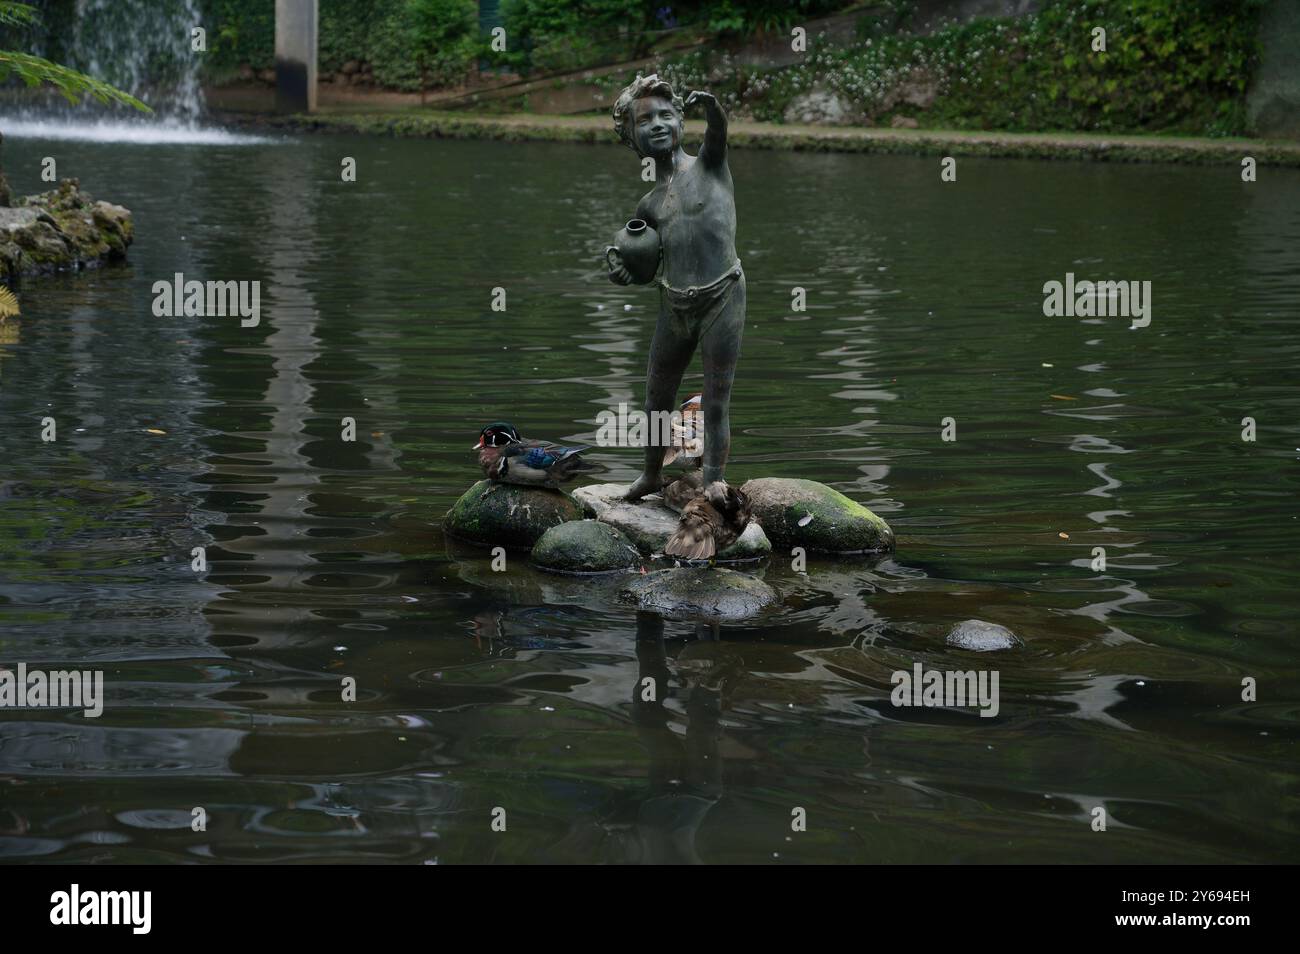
141 46
144 47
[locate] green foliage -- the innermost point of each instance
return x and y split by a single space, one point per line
426 42
559 35
763 16
17 14
36 70
240 32
446 37
407 42
1169 65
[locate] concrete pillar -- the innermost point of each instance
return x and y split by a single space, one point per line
296 26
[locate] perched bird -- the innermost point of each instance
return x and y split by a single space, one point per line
710 522
687 447
507 458
681 491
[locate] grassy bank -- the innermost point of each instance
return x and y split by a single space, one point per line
756 135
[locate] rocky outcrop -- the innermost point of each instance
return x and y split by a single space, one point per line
804 513
492 514
917 88
61 229
822 106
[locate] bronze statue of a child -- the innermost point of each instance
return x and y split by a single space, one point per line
702 293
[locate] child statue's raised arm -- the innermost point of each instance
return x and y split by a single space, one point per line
714 150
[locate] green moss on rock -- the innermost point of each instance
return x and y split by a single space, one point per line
61 229
493 514
808 514
585 546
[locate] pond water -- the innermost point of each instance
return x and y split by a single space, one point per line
479 690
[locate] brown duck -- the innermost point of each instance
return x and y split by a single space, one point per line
711 521
678 492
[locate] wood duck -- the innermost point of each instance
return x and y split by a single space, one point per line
509 459
711 521
688 436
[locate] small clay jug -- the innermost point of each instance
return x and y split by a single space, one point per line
638 246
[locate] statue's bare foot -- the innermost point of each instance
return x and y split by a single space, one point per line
643 485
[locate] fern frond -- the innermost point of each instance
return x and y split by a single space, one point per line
33 70
8 304
17 14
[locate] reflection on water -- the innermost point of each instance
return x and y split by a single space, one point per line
608 735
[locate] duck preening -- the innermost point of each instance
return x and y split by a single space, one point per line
711 521
509 459
678 492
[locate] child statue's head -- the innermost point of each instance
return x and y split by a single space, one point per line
648 116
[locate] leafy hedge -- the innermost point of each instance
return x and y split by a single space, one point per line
558 35
406 42
1169 65
400 38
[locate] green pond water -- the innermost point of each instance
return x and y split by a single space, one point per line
479 690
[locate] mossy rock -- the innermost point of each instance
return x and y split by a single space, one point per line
505 515
649 523
710 593
61 229
585 546
805 513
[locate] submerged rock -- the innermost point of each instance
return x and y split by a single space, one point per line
507 515
701 593
521 584
982 637
649 523
60 229
804 513
585 546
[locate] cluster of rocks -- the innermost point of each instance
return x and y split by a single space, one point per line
351 73
595 531
61 229
916 91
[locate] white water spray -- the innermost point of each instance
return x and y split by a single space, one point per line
145 48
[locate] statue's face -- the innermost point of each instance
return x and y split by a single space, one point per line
656 126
